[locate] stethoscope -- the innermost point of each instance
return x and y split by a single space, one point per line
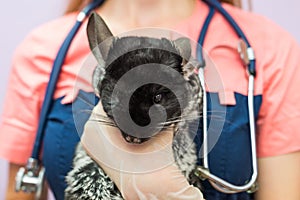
248 57
31 178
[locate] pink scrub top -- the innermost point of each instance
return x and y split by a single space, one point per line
277 79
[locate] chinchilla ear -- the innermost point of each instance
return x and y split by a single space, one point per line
183 45
98 32
100 40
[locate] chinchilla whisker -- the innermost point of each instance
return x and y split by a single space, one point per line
180 119
81 111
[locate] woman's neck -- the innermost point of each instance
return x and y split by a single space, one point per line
122 15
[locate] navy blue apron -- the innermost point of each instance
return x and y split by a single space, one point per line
62 136
225 159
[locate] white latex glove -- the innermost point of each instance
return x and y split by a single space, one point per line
141 172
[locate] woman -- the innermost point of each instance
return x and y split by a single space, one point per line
277 56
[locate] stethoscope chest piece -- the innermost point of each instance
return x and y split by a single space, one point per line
31 179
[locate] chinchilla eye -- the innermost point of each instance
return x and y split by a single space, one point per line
157 98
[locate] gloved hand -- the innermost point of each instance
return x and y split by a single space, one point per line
144 171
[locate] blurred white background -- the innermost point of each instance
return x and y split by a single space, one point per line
19 18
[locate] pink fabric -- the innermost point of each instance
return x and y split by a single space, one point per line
277 55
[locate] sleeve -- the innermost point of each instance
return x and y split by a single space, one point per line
22 102
279 117
31 68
